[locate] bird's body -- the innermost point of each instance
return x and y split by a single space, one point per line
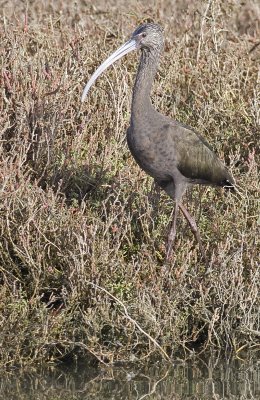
175 156
169 151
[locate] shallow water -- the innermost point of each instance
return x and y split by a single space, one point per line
198 379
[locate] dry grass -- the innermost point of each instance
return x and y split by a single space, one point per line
82 228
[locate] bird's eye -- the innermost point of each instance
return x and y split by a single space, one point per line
144 34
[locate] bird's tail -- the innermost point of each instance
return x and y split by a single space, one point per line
233 188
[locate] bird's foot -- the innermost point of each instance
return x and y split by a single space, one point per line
169 248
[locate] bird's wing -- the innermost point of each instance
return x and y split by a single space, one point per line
195 158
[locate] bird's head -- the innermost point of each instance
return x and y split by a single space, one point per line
147 37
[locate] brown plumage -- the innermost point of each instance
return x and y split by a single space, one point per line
169 151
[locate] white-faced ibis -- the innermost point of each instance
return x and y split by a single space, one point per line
172 153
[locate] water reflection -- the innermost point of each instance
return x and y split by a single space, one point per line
211 379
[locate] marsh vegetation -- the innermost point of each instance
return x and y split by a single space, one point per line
82 227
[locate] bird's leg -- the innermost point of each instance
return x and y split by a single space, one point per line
194 229
172 233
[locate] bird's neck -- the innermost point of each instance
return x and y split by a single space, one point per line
141 102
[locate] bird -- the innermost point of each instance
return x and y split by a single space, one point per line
172 153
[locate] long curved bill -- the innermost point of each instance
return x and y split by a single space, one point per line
123 50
